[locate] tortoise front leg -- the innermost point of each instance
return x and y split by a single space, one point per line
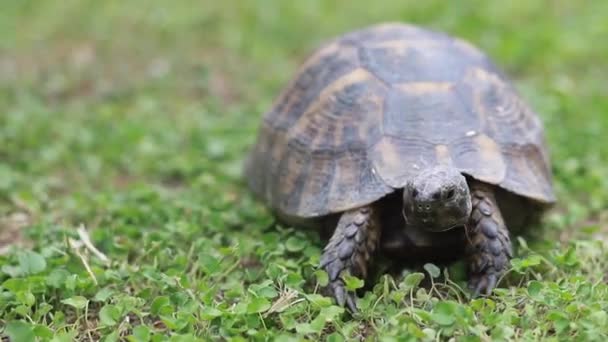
350 250
488 244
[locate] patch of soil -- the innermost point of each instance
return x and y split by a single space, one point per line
11 231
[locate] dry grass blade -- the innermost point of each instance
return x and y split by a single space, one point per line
86 240
287 298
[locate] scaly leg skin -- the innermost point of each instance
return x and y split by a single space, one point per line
349 251
489 246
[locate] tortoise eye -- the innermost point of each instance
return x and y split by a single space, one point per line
450 194
414 193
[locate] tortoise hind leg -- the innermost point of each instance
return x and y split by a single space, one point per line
488 244
350 250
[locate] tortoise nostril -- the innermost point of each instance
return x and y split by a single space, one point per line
428 207
450 194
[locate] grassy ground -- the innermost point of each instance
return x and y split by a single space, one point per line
131 120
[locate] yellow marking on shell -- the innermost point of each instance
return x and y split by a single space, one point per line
388 155
376 100
424 87
292 169
522 168
396 46
479 79
316 179
377 103
373 105
393 25
401 46
510 107
491 162
529 176
345 180
442 153
468 47
476 74
338 136
356 76
277 148
330 49
325 51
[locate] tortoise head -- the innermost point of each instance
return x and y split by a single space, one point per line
437 199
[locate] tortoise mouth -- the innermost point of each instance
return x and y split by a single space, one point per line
434 225
439 229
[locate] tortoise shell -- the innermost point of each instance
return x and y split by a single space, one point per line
371 108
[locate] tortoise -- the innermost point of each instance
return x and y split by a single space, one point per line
407 142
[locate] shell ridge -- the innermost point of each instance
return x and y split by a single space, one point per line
331 137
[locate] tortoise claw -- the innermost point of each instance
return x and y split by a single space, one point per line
339 292
489 248
343 297
335 268
351 303
483 284
349 251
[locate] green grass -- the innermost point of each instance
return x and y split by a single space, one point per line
133 118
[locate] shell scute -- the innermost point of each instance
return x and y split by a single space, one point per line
372 108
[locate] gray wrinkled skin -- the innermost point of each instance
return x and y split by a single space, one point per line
438 199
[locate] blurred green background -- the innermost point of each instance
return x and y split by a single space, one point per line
133 118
